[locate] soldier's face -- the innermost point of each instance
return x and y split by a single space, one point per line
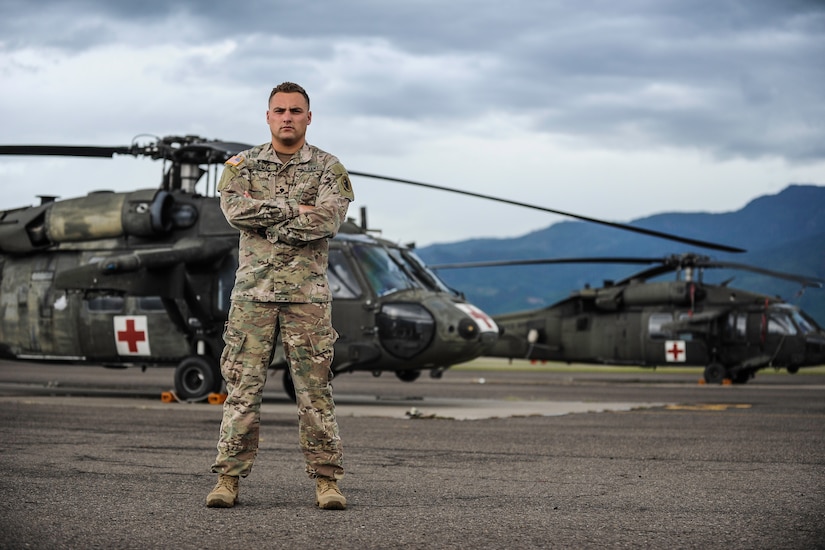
288 117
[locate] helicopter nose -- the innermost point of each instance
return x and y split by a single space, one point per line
405 330
467 328
435 331
815 347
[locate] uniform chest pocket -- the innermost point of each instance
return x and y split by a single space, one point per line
307 182
269 180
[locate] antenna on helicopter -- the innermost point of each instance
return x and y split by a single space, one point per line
364 218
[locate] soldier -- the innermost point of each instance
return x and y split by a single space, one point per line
287 198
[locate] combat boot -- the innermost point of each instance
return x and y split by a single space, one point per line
225 493
328 496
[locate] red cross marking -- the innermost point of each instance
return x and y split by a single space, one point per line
476 314
131 336
675 350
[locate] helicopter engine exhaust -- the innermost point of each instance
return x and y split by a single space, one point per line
144 213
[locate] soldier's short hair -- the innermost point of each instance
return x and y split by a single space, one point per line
289 88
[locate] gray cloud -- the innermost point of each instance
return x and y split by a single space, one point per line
729 79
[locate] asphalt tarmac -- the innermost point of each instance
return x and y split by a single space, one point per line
493 457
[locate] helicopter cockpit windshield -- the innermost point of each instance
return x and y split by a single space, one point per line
805 325
788 313
420 271
779 322
384 271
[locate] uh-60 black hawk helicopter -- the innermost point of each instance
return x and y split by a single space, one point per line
639 321
684 321
143 278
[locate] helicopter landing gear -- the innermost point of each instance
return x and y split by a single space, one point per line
715 373
196 377
410 375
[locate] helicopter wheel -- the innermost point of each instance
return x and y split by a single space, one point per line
289 386
408 375
715 373
196 377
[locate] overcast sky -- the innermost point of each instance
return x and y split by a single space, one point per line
608 109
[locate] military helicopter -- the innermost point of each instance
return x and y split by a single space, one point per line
143 279
639 321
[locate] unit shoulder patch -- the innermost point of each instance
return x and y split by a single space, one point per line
343 181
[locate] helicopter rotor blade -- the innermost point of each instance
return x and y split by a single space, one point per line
685 261
642 230
188 149
804 281
666 265
65 150
545 261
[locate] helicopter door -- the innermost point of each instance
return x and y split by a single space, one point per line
741 336
96 327
610 337
781 338
350 318
587 337
121 329
39 321
672 347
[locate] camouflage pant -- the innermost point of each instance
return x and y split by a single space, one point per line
308 338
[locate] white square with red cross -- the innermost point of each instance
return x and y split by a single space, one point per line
675 351
131 335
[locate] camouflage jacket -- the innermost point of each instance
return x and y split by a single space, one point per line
282 255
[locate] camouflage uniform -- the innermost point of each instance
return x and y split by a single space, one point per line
281 287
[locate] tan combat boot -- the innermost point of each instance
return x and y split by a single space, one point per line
328 496
225 493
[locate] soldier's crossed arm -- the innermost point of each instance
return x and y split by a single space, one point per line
245 212
329 212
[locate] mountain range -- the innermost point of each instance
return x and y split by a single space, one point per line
782 232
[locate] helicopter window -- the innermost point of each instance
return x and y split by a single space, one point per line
342 281
655 323
780 323
805 325
736 326
383 272
150 303
687 336
109 304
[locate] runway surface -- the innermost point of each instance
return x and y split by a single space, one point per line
483 458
